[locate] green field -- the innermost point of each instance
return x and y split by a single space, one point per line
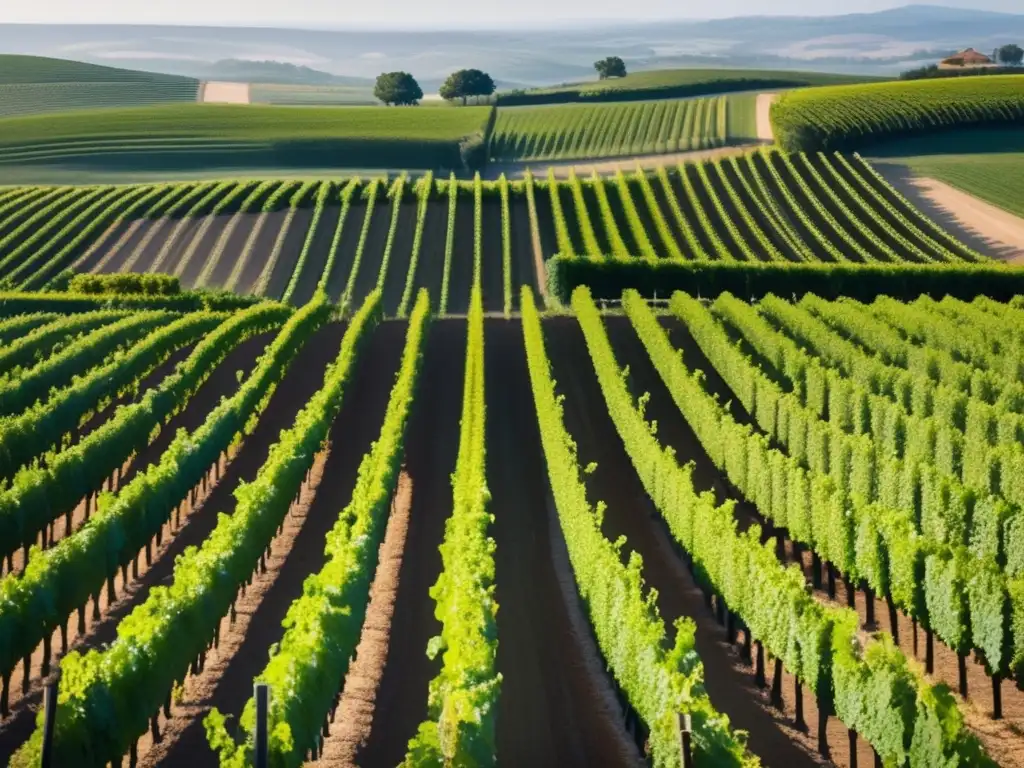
204 136
664 83
987 163
35 84
310 95
578 131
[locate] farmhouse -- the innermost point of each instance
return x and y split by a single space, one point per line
967 58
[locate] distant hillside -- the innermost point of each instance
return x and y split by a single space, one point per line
274 72
34 85
884 43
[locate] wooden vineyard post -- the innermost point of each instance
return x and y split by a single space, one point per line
685 746
261 692
49 721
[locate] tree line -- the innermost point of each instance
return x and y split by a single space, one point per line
1007 58
401 88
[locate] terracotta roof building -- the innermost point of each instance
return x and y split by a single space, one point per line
967 58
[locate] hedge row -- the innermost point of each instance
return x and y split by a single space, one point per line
607 278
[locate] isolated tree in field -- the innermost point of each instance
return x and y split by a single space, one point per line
398 88
612 66
1011 54
465 83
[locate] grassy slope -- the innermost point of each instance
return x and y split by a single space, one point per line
203 136
16 69
310 95
988 164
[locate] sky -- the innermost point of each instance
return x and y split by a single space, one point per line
433 14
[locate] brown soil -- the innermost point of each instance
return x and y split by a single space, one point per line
354 718
181 236
222 383
401 255
525 262
101 246
987 229
373 251
728 679
492 265
551 711
232 250
545 223
432 446
430 265
460 276
226 679
258 249
316 258
201 248
291 247
121 253
346 251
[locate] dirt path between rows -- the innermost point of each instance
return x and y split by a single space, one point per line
430 265
552 710
401 257
608 166
431 448
214 92
492 264
226 680
527 259
223 382
764 116
982 226
728 679
316 258
231 250
460 277
373 251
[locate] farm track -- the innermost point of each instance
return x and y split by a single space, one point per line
373 251
1003 740
401 257
492 272
430 267
232 249
551 711
346 251
524 260
201 248
316 258
291 247
259 250
222 382
982 226
728 680
431 448
460 281
226 678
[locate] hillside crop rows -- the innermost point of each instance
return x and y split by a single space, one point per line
537 540
850 116
283 240
34 84
608 130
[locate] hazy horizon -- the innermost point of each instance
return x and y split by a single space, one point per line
413 14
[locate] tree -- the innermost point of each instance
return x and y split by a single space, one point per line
612 66
398 88
1011 54
465 83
